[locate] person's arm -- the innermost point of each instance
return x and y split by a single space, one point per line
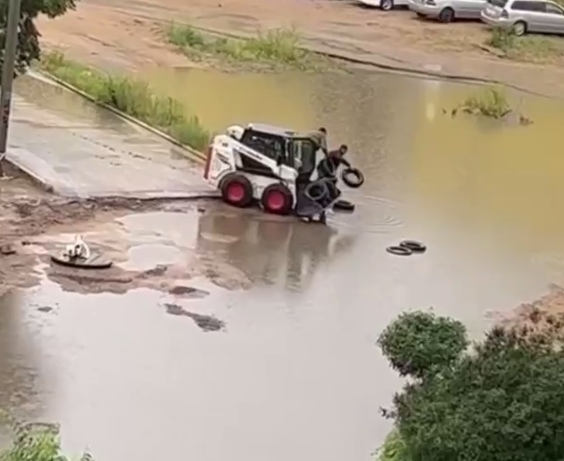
344 161
323 146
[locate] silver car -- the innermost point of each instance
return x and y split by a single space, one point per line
525 16
448 10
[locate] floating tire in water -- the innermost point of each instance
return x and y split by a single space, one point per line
413 245
352 177
399 251
343 205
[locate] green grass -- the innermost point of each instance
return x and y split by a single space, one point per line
489 102
35 442
529 48
131 96
277 47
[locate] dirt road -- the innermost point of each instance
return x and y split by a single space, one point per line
34 224
116 36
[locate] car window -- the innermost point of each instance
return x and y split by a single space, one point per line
554 9
528 6
499 3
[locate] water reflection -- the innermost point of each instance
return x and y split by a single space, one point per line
20 371
269 250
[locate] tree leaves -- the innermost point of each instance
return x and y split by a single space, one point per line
418 343
28 48
503 401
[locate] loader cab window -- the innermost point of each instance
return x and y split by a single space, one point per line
304 151
270 145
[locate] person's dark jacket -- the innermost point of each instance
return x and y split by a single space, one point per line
328 167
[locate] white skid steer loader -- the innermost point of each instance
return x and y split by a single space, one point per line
271 166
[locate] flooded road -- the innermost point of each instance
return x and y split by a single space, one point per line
295 373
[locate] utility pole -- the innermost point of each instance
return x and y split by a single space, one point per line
11 41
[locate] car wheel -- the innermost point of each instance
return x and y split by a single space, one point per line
277 199
386 5
519 28
237 190
446 15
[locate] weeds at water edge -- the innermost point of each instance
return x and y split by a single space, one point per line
490 102
130 96
275 47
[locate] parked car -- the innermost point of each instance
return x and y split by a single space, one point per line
525 16
385 5
448 10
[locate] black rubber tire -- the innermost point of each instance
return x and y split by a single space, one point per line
446 15
399 251
351 183
316 191
413 245
96 261
386 5
343 205
288 199
228 182
521 30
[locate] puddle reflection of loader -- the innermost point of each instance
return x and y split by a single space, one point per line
270 250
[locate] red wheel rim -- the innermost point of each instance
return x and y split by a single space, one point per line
275 200
235 192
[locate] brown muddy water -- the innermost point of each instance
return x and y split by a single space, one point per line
295 373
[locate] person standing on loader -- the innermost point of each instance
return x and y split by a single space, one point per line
319 138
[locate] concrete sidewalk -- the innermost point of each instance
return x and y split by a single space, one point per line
78 149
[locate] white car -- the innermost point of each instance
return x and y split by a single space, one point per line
385 5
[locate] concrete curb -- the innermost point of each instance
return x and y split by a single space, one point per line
190 152
35 179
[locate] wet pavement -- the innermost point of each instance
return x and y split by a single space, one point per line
232 334
78 149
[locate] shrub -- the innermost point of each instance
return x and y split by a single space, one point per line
418 343
501 402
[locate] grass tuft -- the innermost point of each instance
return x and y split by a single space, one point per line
490 102
131 96
279 47
530 48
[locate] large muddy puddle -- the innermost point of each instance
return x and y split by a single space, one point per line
294 373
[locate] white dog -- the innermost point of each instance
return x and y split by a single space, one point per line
78 249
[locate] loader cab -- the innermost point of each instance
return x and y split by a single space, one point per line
286 147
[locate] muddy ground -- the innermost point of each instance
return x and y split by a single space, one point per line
127 35
35 224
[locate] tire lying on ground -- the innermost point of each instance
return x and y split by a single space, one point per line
413 245
343 205
399 251
352 177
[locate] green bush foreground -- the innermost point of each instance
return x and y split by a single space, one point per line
501 401
130 96
35 442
